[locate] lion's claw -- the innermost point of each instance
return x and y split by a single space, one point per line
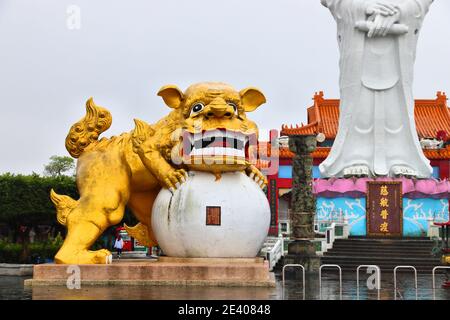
256 175
174 179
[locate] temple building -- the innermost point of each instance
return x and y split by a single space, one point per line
422 204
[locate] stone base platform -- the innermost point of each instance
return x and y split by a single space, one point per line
8 269
164 271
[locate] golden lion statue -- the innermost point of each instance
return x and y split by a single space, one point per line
129 170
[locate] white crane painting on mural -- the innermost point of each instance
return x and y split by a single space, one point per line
418 213
351 210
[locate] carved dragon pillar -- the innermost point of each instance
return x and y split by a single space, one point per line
303 204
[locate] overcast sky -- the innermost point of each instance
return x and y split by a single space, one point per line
126 50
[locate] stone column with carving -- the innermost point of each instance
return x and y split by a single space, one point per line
303 204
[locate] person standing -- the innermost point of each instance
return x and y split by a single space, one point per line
118 245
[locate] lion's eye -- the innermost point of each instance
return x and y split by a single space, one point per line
196 108
234 106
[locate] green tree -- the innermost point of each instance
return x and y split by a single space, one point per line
25 204
25 200
58 165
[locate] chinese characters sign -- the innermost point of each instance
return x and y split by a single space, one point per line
384 209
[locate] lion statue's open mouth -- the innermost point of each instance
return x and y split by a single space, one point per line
217 147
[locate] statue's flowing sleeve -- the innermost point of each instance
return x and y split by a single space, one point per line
341 8
415 8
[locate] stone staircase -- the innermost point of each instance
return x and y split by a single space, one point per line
385 253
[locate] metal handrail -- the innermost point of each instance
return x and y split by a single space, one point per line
433 274
395 279
378 278
340 278
275 253
303 274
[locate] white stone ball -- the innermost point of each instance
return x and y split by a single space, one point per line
179 219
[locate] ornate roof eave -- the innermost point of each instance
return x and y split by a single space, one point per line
299 130
323 152
318 126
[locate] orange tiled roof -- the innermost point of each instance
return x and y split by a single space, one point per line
323 117
322 153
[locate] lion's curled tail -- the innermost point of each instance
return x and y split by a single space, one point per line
87 130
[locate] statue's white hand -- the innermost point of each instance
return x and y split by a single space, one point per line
382 24
381 8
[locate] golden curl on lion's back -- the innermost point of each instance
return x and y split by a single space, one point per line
88 129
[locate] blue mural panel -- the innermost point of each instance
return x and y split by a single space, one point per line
338 209
417 213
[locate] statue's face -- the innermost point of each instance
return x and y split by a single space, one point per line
217 135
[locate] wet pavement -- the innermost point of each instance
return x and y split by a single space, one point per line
13 288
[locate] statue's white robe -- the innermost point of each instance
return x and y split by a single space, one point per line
376 124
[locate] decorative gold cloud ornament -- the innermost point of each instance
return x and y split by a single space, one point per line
207 130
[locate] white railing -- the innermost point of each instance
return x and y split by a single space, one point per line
415 279
377 285
303 278
330 236
321 225
274 252
377 279
340 278
433 275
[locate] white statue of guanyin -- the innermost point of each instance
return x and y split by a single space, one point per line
377 133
